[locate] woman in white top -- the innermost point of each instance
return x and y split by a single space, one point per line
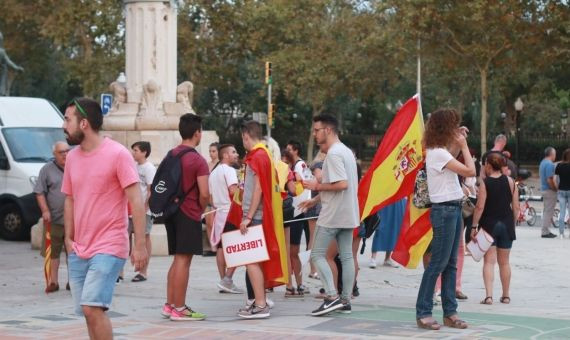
443 140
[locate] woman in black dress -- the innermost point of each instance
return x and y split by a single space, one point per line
496 211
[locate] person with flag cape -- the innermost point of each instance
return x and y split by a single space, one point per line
261 204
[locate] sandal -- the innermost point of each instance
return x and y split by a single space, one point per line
302 290
457 323
291 293
138 278
429 325
315 276
487 301
505 299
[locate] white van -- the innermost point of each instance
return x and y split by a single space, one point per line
28 129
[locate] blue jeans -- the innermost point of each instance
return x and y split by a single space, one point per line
323 238
446 224
564 200
92 280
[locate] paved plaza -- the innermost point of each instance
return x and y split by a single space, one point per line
540 307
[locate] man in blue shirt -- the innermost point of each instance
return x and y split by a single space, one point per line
548 187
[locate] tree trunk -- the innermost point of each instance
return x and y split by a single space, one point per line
311 142
483 72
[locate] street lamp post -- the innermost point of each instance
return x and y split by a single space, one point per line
503 120
519 105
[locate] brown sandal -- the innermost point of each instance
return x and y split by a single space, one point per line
505 299
457 323
432 325
487 301
291 293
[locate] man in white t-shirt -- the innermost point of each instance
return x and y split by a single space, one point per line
146 170
339 213
223 183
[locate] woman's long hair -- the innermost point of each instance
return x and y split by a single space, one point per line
441 128
566 156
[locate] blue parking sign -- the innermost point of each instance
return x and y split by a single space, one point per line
106 102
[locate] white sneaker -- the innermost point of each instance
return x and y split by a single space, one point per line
372 263
269 302
229 287
390 263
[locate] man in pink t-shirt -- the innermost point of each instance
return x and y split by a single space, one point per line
99 179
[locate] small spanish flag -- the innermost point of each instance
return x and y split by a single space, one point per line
47 260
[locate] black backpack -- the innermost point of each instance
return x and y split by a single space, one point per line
166 193
370 224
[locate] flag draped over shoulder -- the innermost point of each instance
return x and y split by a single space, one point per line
393 170
415 236
47 260
275 269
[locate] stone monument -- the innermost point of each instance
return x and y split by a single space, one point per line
147 102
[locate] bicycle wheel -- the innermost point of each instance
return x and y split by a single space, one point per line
530 216
555 217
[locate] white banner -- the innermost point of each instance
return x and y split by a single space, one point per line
240 250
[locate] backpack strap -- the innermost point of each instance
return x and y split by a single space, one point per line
179 156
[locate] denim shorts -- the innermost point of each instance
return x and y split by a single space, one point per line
92 280
501 235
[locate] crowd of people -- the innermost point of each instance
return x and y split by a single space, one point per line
101 222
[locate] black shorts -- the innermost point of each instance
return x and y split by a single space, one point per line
184 235
297 230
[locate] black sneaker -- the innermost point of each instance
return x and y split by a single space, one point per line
549 235
346 307
328 306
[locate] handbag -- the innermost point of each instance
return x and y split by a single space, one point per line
468 207
479 245
421 194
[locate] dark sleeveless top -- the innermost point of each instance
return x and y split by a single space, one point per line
498 205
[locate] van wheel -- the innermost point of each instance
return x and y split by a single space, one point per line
12 223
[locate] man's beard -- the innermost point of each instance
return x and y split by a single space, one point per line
74 139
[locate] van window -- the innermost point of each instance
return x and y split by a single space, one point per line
4 165
32 145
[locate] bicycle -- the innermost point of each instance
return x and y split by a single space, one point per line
526 213
555 218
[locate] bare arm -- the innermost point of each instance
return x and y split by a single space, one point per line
204 191
139 255
46 215
552 183
515 203
232 189
467 169
69 226
481 198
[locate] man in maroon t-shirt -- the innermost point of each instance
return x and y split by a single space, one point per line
184 229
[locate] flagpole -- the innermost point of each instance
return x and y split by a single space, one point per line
419 70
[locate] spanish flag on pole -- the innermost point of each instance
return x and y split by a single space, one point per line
47 260
275 270
393 170
415 236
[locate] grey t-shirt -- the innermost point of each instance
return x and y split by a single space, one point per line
49 184
339 208
248 185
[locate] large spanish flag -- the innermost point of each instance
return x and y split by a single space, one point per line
415 236
275 270
392 174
